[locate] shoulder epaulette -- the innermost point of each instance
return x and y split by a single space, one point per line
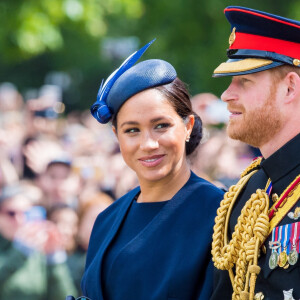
253 166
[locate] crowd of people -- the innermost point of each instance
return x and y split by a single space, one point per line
58 171
164 232
56 175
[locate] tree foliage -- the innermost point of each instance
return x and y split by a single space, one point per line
38 37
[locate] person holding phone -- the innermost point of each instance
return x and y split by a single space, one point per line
32 260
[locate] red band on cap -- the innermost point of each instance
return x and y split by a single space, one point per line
257 42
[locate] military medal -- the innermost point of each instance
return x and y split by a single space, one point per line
274 245
282 260
283 257
273 260
293 255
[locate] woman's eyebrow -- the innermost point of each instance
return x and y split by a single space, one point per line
129 123
137 123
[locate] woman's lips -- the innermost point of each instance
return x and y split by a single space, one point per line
151 161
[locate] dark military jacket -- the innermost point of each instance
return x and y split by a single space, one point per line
282 167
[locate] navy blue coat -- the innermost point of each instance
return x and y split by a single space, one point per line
170 258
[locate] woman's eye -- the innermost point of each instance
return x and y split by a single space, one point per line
163 125
131 130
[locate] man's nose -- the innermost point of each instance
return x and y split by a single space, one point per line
229 94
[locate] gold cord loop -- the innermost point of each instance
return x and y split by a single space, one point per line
249 234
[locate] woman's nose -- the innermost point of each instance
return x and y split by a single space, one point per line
148 142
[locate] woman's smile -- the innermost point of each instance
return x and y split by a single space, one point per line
151 161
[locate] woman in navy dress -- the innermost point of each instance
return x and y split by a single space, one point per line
154 242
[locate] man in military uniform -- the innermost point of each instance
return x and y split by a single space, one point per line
256 234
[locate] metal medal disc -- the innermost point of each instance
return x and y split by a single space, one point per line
273 260
293 257
282 259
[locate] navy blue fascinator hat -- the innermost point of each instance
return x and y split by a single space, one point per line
128 80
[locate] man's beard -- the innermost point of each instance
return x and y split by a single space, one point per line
257 126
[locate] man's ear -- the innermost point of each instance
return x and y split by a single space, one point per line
292 81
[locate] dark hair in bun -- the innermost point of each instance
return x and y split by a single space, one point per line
178 95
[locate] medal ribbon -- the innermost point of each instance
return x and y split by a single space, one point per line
276 234
269 188
273 236
293 236
285 237
280 238
272 244
297 229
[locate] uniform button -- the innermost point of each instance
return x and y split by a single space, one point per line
275 197
264 249
259 296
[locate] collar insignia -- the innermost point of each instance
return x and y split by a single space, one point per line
295 215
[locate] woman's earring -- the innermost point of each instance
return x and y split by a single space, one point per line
187 139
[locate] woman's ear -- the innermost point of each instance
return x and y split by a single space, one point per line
292 81
115 131
190 124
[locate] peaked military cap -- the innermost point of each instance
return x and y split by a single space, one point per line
259 41
128 80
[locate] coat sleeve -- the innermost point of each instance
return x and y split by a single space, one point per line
59 282
10 263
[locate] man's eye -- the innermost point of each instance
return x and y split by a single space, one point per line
245 80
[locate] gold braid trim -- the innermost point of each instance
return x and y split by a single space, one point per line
249 234
290 200
255 163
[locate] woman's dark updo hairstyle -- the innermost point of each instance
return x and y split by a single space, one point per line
178 95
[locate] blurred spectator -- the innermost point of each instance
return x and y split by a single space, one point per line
91 205
8 173
43 111
10 98
32 260
58 183
218 158
66 219
211 109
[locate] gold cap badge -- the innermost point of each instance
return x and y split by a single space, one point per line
296 62
232 36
